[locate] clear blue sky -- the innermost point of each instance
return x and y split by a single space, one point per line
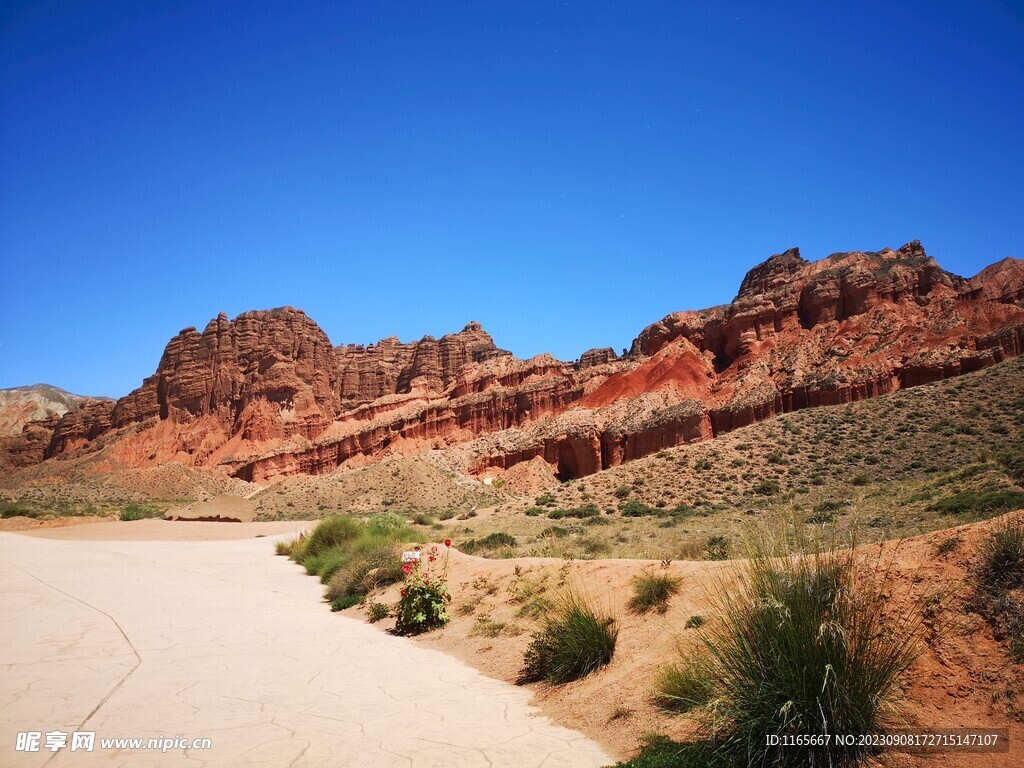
563 172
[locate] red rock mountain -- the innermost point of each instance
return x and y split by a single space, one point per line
267 395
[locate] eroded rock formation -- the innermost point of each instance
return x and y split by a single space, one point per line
266 395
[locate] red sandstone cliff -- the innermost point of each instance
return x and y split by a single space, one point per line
266 395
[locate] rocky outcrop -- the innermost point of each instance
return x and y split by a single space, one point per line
266 395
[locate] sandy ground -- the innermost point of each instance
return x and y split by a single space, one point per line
222 640
963 678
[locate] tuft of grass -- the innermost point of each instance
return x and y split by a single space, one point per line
804 645
1000 572
683 687
695 622
653 590
1002 557
574 642
376 612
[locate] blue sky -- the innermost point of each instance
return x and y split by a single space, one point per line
563 172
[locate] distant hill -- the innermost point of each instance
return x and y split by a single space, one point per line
36 402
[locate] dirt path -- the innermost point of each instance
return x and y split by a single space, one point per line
221 640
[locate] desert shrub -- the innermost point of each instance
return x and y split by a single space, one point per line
574 642
716 548
767 488
682 687
351 556
1002 557
623 491
636 508
376 612
345 601
980 503
586 510
703 464
1001 571
804 645
421 518
554 532
488 543
860 479
824 512
139 512
285 546
15 509
1013 463
545 500
653 590
368 565
534 511
333 531
695 622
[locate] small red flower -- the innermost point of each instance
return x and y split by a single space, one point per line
417 548
447 542
406 568
431 558
403 592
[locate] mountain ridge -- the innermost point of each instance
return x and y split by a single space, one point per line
267 394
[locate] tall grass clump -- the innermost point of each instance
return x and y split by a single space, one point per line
683 686
1002 557
1000 572
574 642
653 590
352 556
803 645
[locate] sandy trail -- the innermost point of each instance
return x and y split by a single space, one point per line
222 640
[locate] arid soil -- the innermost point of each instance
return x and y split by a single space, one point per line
964 676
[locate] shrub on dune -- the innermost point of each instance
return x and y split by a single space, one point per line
574 642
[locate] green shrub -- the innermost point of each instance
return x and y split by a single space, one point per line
587 510
767 488
573 643
980 503
1013 463
695 622
623 491
545 500
1002 557
333 531
346 601
138 512
682 687
351 556
376 612
490 542
367 565
636 508
424 606
653 590
860 479
716 548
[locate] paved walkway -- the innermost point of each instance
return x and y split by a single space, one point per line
222 640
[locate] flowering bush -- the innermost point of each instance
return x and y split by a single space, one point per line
424 597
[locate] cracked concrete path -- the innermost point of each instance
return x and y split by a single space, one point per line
222 640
